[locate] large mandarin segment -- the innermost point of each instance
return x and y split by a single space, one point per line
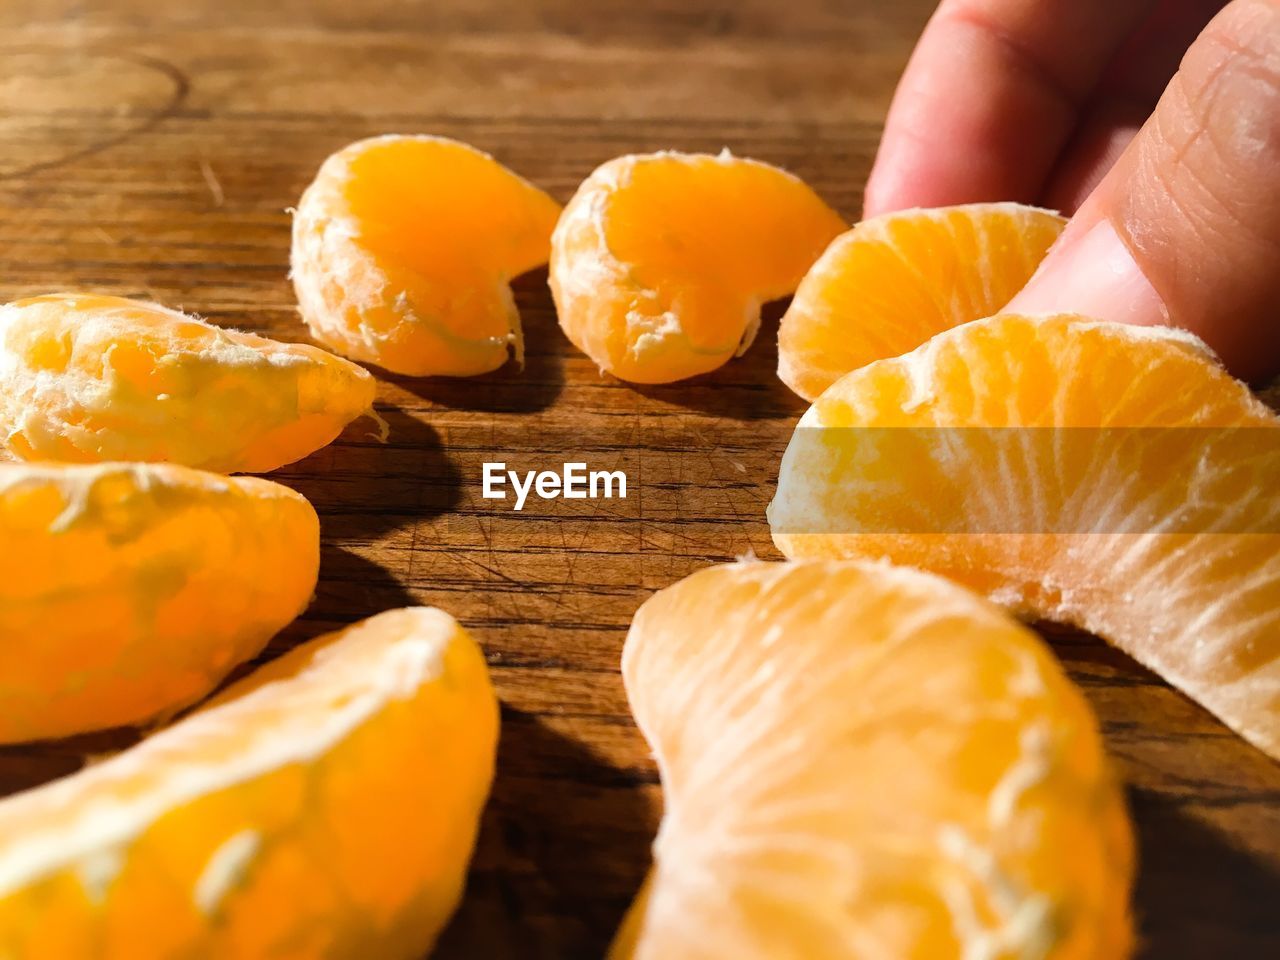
324 807
660 262
1111 477
403 249
128 591
87 378
867 761
892 282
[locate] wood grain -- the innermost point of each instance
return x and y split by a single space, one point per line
151 150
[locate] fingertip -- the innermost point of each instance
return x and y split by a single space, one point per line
990 96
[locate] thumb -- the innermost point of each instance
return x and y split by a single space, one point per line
1185 228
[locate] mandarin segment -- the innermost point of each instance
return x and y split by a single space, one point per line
660 262
130 590
1111 477
866 761
87 378
892 282
403 249
324 807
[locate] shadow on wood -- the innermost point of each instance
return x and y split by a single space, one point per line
364 489
351 588
1197 894
563 847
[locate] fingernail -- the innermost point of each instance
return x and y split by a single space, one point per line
1094 274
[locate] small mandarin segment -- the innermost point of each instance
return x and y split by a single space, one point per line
892 282
128 591
660 262
403 249
1123 484
860 760
324 807
86 378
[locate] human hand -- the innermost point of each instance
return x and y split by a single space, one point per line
1176 196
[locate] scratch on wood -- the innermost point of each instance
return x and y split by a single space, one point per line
211 180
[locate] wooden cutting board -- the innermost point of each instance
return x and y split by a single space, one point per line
151 149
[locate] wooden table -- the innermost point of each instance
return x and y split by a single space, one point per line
151 149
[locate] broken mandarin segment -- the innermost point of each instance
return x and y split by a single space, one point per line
1112 477
87 378
893 281
403 252
324 807
128 591
864 760
660 262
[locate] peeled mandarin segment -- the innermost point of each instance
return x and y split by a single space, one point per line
1124 484
403 249
660 262
892 282
326 806
866 761
88 378
128 591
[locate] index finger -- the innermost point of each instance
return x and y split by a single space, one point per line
990 97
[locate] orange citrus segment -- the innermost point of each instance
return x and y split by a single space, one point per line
87 378
867 761
130 590
1134 498
325 807
403 247
893 281
660 262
